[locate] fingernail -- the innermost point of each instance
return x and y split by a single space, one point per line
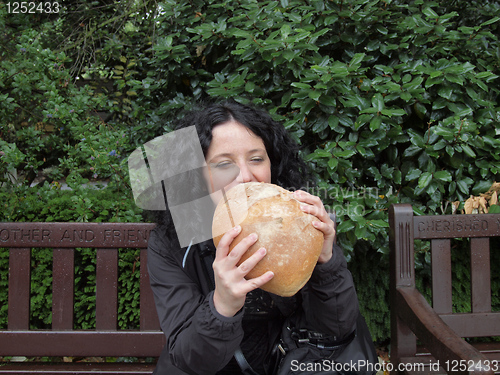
237 228
253 236
315 223
303 207
263 251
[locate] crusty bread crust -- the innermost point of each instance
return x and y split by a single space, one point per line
293 245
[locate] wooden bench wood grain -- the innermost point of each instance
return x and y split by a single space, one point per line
62 340
438 328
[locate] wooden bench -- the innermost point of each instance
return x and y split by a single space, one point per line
62 340
437 328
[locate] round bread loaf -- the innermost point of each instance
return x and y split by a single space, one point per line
293 245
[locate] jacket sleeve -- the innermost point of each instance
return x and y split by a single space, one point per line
329 298
199 339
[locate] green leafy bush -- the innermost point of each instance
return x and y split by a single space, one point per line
391 101
51 126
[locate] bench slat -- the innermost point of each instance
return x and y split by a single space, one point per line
19 288
81 368
456 226
69 235
480 275
84 343
106 289
149 317
441 276
474 324
63 281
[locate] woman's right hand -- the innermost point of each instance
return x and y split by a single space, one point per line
231 287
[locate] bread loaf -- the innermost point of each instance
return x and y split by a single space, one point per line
293 245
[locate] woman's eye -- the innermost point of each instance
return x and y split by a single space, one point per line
257 160
223 165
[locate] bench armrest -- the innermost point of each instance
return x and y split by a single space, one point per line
442 342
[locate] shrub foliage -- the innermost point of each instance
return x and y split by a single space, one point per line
391 101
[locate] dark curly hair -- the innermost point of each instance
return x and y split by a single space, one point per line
288 170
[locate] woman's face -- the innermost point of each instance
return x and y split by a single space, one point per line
235 156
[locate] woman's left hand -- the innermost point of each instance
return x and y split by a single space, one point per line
313 205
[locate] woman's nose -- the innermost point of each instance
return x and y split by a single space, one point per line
245 175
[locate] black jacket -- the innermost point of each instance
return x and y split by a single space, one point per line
201 341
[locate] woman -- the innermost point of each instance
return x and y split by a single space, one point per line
207 309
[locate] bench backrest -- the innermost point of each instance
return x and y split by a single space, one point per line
439 230
63 339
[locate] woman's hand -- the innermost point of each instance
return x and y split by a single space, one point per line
231 287
313 205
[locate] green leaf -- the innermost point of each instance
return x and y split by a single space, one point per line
446 133
382 30
356 59
406 96
378 102
345 226
285 30
455 79
489 22
430 13
320 154
361 120
301 85
346 154
332 163
378 223
436 73
481 187
464 112
446 92
375 123
328 100
333 122
424 180
413 174
339 69
412 151
464 185
320 125
314 95
494 209
468 151
393 112
443 176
